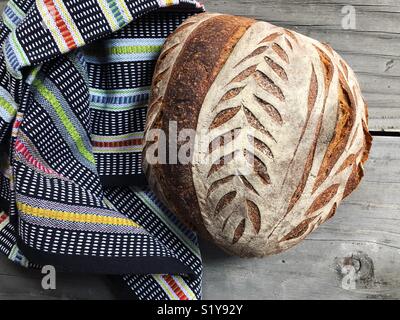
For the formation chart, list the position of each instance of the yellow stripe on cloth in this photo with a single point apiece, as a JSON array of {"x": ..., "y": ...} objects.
[
  {"x": 185, "y": 288},
  {"x": 73, "y": 216},
  {"x": 170, "y": 293},
  {"x": 125, "y": 10},
  {"x": 113, "y": 23},
  {"x": 167, "y": 3}
]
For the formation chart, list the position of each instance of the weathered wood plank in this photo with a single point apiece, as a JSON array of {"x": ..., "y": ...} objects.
[
  {"x": 367, "y": 222},
  {"x": 2, "y": 5},
  {"x": 372, "y": 49},
  {"x": 19, "y": 283}
]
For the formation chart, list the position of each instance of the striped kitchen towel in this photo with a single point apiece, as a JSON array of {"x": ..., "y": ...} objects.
[{"x": 75, "y": 77}]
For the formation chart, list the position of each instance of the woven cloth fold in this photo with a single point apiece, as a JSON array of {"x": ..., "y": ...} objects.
[{"x": 75, "y": 78}]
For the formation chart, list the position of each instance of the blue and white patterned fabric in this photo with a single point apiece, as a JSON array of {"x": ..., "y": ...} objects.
[{"x": 75, "y": 78}]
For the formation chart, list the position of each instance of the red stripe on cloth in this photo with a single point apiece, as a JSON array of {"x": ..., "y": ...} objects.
[
  {"x": 20, "y": 148},
  {"x": 3, "y": 217},
  {"x": 174, "y": 286},
  {"x": 16, "y": 124},
  {"x": 61, "y": 25},
  {"x": 117, "y": 144}
]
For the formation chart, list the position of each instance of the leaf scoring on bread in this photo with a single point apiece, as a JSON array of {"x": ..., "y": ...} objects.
[{"x": 257, "y": 149}]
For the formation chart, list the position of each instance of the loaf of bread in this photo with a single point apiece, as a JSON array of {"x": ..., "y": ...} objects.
[{"x": 280, "y": 132}]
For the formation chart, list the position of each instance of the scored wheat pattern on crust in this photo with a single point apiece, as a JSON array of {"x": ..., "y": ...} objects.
[
  {"x": 283, "y": 127},
  {"x": 281, "y": 138}
]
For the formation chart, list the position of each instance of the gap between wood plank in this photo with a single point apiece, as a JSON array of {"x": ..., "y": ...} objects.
[{"x": 385, "y": 133}]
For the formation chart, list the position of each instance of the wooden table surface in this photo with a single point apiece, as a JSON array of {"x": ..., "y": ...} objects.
[{"x": 364, "y": 234}]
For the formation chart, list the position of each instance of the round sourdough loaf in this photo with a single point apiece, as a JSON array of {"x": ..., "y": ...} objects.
[{"x": 281, "y": 132}]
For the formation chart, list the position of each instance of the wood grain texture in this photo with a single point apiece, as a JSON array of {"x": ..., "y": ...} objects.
[
  {"x": 366, "y": 226},
  {"x": 367, "y": 222},
  {"x": 367, "y": 230},
  {"x": 372, "y": 49},
  {"x": 22, "y": 284},
  {"x": 313, "y": 268}
]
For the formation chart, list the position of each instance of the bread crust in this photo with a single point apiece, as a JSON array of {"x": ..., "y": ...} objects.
[
  {"x": 296, "y": 100},
  {"x": 208, "y": 41}
]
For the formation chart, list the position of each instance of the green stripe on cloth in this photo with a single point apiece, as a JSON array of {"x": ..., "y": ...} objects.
[
  {"x": 16, "y": 9},
  {"x": 124, "y": 50},
  {"x": 134, "y": 49},
  {"x": 119, "y": 91},
  {"x": 8, "y": 107},
  {"x": 46, "y": 93}
]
